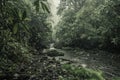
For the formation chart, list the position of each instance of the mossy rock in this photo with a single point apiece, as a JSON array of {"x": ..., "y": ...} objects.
[{"x": 54, "y": 53}]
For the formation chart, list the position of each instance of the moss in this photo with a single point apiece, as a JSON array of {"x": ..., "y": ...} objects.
[{"x": 77, "y": 73}]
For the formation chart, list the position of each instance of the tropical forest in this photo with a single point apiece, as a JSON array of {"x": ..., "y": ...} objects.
[{"x": 59, "y": 39}]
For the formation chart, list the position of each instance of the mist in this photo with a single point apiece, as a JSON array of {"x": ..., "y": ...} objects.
[{"x": 54, "y": 18}]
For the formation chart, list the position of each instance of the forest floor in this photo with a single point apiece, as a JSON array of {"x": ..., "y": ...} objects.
[{"x": 94, "y": 59}]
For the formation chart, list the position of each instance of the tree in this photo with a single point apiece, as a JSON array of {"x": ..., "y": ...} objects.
[
  {"x": 89, "y": 24},
  {"x": 17, "y": 29}
]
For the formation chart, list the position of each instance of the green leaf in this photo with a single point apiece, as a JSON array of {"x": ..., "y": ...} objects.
[
  {"x": 44, "y": 7},
  {"x": 24, "y": 15},
  {"x": 25, "y": 27},
  {"x": 36, "y": 4},
  {"x": 20, "y": 15},
  {"x": 27, "y": 19},
  {"x": 15, "y": 28}
]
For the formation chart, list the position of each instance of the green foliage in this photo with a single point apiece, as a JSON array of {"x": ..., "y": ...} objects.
[
  {"x": 20, "y": 37},
  {"x": 41, "y": 4},
  {"x": 24, "y": 32},
  {"x": 89, "y": 24},
  {"x": 76, "y": 73}
]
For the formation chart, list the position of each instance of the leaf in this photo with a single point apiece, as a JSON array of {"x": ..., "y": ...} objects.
[
  {"x": 36, "y": 4},
  {"x": 44, "y": 7},
  {"x": 25, "y": 27},
  {"x": 20, "y": 15},
  {"x": 27, "y": 19},
  {"x": 24, "y": 15},
  {"x": 15, "y": 28}
]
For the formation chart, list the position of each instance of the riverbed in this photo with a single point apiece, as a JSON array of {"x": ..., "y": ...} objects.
[{"x": 108, "y": 63}]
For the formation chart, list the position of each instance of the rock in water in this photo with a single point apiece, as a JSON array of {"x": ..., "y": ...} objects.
[{"x": 54, "y": 53}]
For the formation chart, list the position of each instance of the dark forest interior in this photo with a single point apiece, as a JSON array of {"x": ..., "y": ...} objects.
[{"x": 59, "y": 39}]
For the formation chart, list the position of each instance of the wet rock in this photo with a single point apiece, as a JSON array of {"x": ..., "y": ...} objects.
[{"x": 54, "y": 53}]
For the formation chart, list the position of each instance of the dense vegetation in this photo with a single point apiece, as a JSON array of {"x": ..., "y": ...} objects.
[
  {"x": 25, "y": 35},
  {"x": 89, "y": 24},
  {"x": 22, "y": 23}
]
